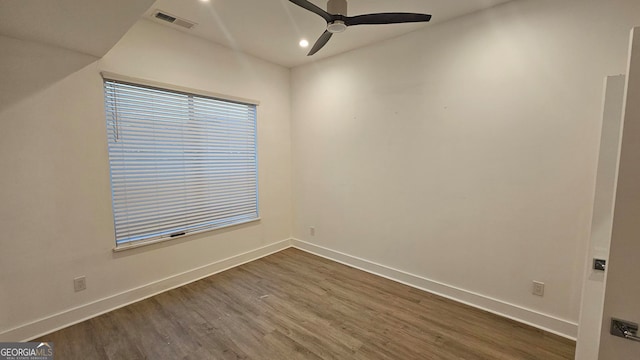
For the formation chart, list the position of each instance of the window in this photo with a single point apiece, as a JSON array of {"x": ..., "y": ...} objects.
[{"x": 180, "y": 162}]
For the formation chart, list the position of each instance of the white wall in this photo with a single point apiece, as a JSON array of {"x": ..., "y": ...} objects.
[
  {"x": 55, "y": 211},
  {"x": 465, "y": 153}
]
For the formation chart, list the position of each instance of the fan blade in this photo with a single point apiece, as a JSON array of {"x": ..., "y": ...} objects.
[
  {"x": 386, "y": 18},
  {"x": 313, "y": 8},
  {"x": 322, "y": 41}
]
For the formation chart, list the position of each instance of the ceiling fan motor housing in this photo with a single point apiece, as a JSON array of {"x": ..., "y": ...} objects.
[{"x": 337, "y": 7}]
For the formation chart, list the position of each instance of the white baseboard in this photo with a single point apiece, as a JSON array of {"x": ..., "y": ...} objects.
[
  {"x": 78, "y": 314},
  {"x": 561, "y": 327}
]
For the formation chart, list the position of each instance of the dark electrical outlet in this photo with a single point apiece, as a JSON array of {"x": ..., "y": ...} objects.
[{"x": 599, "y": 264}]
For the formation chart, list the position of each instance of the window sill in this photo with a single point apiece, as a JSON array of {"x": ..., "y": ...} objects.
[{"x": 141, "y": 243}]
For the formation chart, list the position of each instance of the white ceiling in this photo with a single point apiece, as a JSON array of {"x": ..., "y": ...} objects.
[{"x": 271, "y": 29}]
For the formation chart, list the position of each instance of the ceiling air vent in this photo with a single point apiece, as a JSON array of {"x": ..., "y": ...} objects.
[{"x": 162, "y": 15}]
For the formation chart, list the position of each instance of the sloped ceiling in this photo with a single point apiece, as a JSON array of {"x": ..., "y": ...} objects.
[{"x": 87, "y": 26}]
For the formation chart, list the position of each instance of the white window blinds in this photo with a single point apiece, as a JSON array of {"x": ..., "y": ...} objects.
[{"x": 180, "y": 162}]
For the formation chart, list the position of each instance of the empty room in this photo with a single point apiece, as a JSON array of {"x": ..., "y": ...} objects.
[{"x": 312, "y": 179}]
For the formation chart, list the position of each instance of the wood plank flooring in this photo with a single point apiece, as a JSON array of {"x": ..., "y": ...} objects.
[{"x": 293, "y": 305}]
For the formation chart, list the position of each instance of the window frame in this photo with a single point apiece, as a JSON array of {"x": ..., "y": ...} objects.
[{"x": 111, "y": 77}]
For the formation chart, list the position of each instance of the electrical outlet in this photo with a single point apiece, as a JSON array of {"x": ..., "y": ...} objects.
[
  {"x": 538, "y": 288},
  {"x": 79, "y": 283},
  {"x": 312, "y": 231}
]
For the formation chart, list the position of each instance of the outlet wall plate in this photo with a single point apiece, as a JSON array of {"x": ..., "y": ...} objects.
[
  {"x": 538, "y": 288},
  {"x": 80, "y": 283}
]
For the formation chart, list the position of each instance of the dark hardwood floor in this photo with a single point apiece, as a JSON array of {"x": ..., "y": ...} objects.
[{"x": 293, "y": 305}]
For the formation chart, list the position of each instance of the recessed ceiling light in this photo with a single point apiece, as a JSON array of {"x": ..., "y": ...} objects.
[
  {"x": 205, "y": 1},
  {"x": 304, "y": 43}
]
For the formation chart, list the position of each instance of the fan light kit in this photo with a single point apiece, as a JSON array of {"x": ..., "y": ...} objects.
[
  {"x": 337, "y": 26},
  {"x": 338, "y": 21}
]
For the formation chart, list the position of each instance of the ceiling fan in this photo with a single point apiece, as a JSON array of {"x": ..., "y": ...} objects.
[{"x": 338, "y": 21}]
